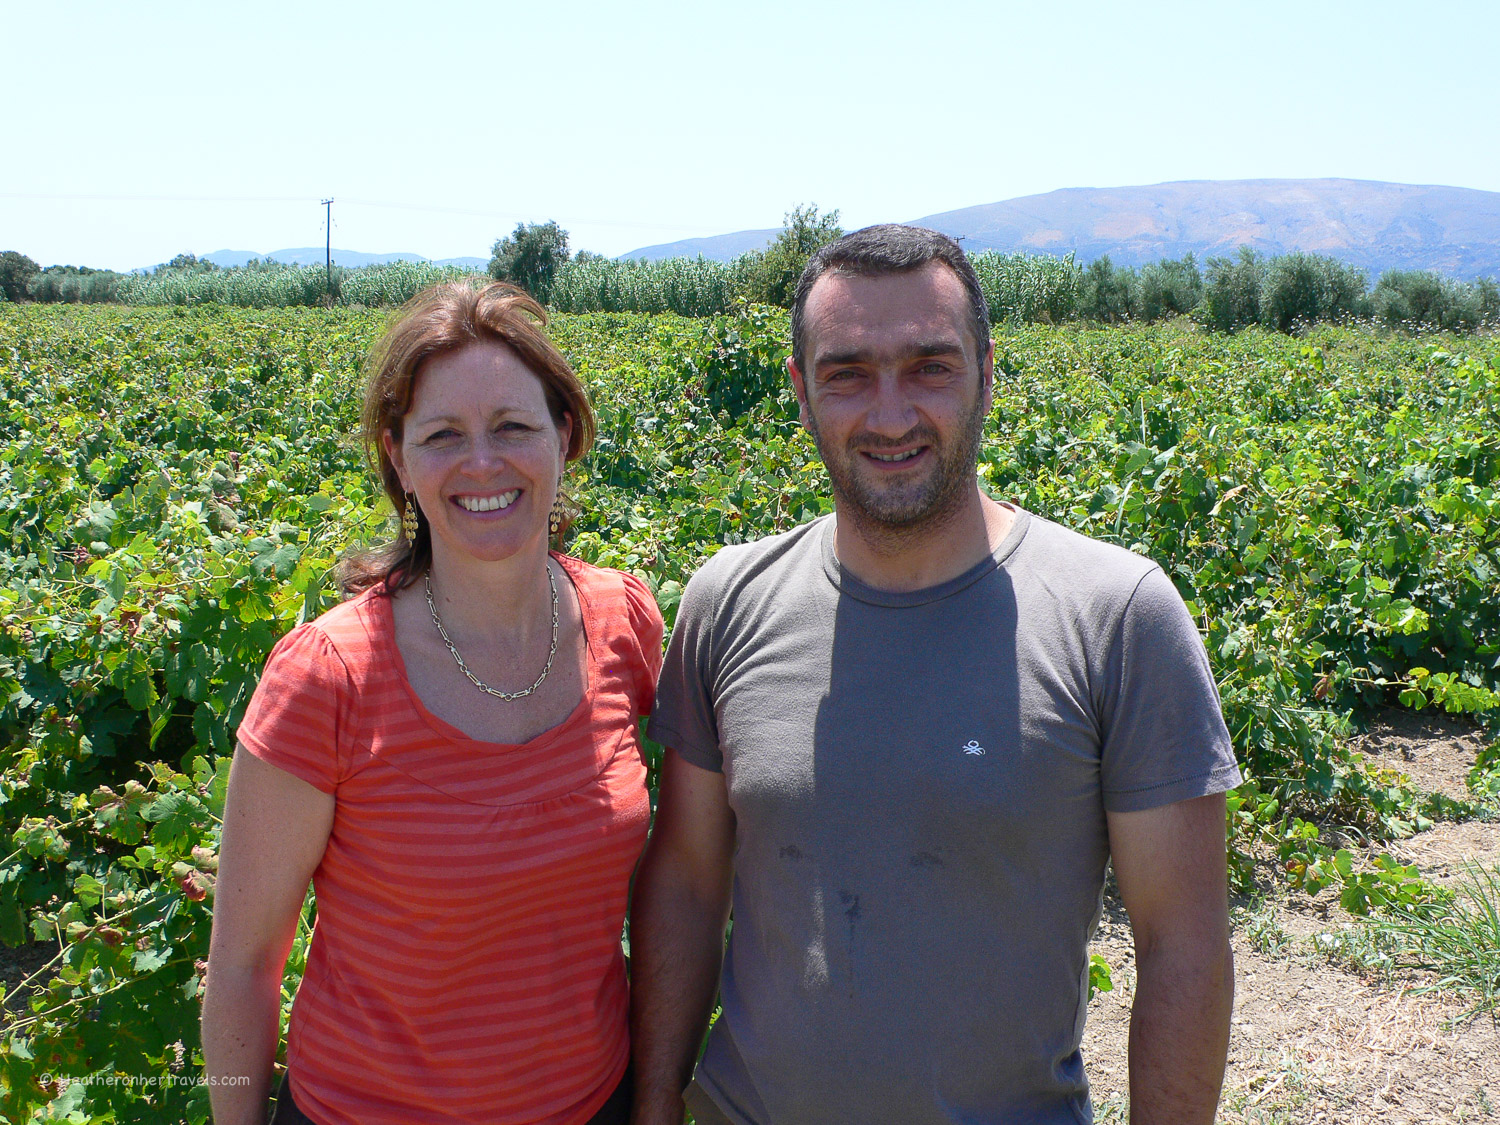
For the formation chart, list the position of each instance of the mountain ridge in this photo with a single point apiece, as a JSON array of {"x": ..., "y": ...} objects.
[{"x": 1369, "y": 223}]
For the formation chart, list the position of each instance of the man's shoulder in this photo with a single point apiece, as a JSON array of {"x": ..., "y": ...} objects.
[
  {"x": 762, "y": 561},
  {"x": 1076, "y": 566}
]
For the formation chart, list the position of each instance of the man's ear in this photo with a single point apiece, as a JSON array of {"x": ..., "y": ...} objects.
[
  {"x": 987, "y": 376},
  {"x": 800, "y": 387}
]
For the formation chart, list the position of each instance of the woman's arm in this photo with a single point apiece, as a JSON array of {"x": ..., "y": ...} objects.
[{"x": 275, "y": 829}]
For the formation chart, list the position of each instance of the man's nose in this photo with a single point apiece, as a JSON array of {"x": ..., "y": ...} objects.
[{"x": 891, "y": 412}]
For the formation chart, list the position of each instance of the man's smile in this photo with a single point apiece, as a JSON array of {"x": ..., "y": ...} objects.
[{"x": 895, "y": 458}]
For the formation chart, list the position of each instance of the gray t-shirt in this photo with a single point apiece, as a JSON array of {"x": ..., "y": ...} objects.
[{"x": 919, "y": 782}]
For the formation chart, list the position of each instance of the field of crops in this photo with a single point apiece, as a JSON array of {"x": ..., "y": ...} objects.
[{"x": 176, "y": 485}]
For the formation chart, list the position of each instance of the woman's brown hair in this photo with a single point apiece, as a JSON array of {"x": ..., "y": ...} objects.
[{"x": 440, "y": 319}]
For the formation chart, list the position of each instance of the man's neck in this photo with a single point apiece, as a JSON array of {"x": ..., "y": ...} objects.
[{"x": 927, "y": 555}]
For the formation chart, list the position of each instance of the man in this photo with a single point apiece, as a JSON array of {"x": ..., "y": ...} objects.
[{"x": 907, "y": 738}]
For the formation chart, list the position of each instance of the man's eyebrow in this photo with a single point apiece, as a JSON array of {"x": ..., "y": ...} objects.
[
  {"x": 924, "y": 349},
  {"x": 838, "y": 359},
  {"x": 939, "y": 347}
]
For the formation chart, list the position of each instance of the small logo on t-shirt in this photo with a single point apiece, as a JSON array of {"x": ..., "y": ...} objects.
[{"x": 972, "y": 747}]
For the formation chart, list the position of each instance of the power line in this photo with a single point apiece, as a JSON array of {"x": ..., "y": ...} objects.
[
  {"x": 104, "y": 198},
  {"x": 386, "y": 204}
]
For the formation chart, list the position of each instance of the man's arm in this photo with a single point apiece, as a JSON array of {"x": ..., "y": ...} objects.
[
  {"x": 677, "y": 919},
  {"x": 1170, "y": 865}
]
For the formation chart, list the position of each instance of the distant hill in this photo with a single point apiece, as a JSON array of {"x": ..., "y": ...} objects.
[
  {"x": 1380, "y": 226},
  {"x": 720, "y": 247},
  {"x": 315, "y": 256}
]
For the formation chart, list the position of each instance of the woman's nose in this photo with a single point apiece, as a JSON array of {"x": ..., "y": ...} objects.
[{"x": 486, "y": 452}]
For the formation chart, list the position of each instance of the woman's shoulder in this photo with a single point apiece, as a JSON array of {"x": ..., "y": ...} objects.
[
  {"x": 614, "y": 595},
  {"x": 357, "y": 631},
  {"x": 604, "y": 581}
]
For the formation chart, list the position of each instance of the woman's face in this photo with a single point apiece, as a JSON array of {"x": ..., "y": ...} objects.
[{"x": 481, "y": 452}]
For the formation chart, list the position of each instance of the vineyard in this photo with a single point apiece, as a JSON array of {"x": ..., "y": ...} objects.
[{"x": 177, "y": 483}]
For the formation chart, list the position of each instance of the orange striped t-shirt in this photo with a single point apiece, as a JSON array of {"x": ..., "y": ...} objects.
[{"x": 466, "y": 964}]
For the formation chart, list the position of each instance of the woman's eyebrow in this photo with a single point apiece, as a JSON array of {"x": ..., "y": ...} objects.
[{"x": 501, "y": 412}]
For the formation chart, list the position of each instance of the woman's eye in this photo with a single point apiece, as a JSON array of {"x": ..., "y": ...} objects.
[{"x": 439, "y": 435}]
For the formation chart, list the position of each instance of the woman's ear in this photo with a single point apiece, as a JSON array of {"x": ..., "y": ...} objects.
[
  {"x": 393, "y": 454},
  {"x": 564, "y": 437}
]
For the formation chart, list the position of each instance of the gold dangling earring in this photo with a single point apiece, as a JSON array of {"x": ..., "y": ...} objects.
[
  {"x": 409, "y": 526},
  {"x": 555, "y": 517}
]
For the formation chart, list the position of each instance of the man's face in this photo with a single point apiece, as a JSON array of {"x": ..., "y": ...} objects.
[{"x": 894, "y": 394}]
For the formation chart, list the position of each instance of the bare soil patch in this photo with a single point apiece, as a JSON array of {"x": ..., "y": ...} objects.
[
  {"x": 1312, "y": 1039},
  {"x": 15, "y": 966},
  {"x": 1442, "y": 852},
  {"x": 1435, "y": 750}
]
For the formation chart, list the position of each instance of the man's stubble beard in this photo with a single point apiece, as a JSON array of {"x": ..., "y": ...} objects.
[{"x": 891, "y": 518}]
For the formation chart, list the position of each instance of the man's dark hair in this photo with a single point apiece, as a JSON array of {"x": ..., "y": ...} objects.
[{"x": 886, "y": 249}]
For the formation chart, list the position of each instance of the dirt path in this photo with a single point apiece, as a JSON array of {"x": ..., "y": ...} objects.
[{"x": 1312, "y": 1039}]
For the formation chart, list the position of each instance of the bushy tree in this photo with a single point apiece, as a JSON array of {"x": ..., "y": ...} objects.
[
  {"x": 16, "y": 272},
  {"x": 530, "y": 257},
  {"x": 772, "y": 274},
  {"x": 1303, "y": 289},
  {"x": 1107, "y": 291},
  {"x": 1231, "y": 299},
  {"x": 1168, "y": 288},
  {"x": 1487, "y": 292},
  {"x": 1421, "y": 301},
  {"x": 190, "y": 262}
]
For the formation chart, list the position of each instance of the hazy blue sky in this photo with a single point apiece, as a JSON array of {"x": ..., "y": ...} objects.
[{"x": 135, "y": 131}]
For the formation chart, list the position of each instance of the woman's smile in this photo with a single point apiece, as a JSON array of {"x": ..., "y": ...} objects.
[{"x": 497, "y": 502}]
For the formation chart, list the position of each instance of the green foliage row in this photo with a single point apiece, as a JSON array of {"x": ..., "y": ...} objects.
[
  {"x": 685, "y": 286},
  {"x": 272, "y": 285},
  {"x": 696, "y": 287},
  {"x": 1294, "y": 291},
  {"x": 1028, "y": 288},
  {"x": 1327, "y": 505},
  {"x": 1288, "y": 293},
  {"x": 1155, "y": 292},
  {"x": 77, "y": 285}
]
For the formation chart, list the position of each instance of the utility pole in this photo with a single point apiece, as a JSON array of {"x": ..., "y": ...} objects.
[{"x": 328, "y": 245}]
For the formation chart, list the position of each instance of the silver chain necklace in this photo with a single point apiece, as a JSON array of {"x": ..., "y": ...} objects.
[{"x": 508, "y": 696}]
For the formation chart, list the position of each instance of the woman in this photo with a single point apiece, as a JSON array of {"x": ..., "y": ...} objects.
[{"x": 452, "y": 758}]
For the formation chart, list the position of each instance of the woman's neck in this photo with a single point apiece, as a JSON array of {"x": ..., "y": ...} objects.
[{"x": 484, "y": 602}]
